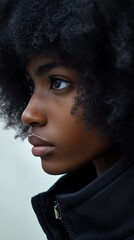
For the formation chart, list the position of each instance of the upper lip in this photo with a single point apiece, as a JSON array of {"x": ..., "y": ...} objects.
[{"x": 36, "y": 140}]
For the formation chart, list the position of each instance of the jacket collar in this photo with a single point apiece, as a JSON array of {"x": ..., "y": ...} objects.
[{"x": 101, "y": 208}]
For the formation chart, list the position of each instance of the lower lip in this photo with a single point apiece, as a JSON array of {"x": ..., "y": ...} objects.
[{"x": 40, "y": 151}]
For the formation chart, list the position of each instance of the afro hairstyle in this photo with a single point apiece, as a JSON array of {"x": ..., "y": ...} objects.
[{"x": 96, "y": 36}]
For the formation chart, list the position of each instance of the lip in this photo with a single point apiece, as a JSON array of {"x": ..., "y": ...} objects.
[{"x": 41, "y": 147}]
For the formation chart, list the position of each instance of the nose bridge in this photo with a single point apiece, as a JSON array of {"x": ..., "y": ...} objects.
[{"x": 33, "y": 112}]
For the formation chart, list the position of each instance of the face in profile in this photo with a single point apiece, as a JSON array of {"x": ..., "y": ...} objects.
[{"x": 61, "y": 142}]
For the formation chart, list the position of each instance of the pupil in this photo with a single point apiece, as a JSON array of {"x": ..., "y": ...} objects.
[{"x": 57, "y": 84}]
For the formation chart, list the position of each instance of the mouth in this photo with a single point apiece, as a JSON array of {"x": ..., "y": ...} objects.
[{"x": 41, "y": 147}]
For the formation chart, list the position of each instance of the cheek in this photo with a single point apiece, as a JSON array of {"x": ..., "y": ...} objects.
[
  {"x": 77, "y": 143},
  {"x": 86, "y": 146},
  {"x": 71, "y": 138}
]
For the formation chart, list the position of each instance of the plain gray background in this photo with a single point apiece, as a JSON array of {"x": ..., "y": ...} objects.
[{"x": 21, "y": 177}]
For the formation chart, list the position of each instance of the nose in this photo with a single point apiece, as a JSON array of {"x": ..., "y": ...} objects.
[{"x": 34, "y": 113}]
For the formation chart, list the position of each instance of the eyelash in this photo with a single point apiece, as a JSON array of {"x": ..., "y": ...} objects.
[
  {"x": 53, "y": 80},
  {"x": 56, "y": 80}
]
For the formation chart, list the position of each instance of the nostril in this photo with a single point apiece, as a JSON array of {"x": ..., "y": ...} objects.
[{"x": 34, "y": 124}]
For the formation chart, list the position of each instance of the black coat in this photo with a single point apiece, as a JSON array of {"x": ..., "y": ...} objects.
[{"x": 82, "y": 207}]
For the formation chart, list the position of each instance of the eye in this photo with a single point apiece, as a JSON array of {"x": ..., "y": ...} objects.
[{"x": 59, "y": 84}]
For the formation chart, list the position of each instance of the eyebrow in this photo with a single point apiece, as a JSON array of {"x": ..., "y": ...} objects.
[{"x": 43, "y": 69}]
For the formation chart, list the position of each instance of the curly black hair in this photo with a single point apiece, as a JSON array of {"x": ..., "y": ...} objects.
[{"x": 96, "y": 36}]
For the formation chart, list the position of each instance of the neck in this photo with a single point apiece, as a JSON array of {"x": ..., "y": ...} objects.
[{"x": 106, "y": 161}]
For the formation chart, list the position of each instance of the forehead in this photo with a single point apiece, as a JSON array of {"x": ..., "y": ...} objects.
[
  {"x": 43, "y": 63},
  {"x": 40, "y": 59}
]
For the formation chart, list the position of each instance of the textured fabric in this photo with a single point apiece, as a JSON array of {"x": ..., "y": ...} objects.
[{"x": 90, "y": 208}]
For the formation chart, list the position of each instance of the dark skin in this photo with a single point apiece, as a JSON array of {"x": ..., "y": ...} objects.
[{"x": 49, "y": 115}]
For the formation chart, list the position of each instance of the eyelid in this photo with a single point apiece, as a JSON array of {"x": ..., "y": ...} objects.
[{"x": 60, "y": 77}]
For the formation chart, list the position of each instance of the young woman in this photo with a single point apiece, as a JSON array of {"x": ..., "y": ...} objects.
[{"x": 66, "y": 70}]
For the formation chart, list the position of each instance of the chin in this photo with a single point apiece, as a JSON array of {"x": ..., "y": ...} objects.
[{"x": 51, "y": 169}]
